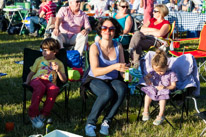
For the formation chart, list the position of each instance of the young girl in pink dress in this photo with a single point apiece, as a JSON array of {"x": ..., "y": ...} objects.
[{"x": 159, "y": 82}]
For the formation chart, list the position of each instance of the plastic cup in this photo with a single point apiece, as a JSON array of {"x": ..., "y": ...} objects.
[{"x": 9, "y": 126}]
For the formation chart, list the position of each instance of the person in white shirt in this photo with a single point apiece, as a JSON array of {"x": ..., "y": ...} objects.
[
  {"x": 138, "y": 6},
  {"x": 100, "y": 6},
  {"x": 172, "y": 6},
  {"x": 138, "y": 9}
]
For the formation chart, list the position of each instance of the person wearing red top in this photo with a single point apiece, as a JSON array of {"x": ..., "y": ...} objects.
[
  {"x": 48, "y": 10},
  {"x": 145, "y": 38}
]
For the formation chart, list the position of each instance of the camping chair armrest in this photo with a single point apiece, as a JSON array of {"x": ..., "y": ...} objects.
[
  {"x": 187, "y": 39},
  {"x": 27, "y": 86}
]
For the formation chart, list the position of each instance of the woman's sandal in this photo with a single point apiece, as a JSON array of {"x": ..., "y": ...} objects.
[
  {"x": 145, "y": 116},
  {"x": 157, "y": 121}
]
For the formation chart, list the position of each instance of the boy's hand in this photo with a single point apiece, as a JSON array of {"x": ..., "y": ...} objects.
[
  {"x": 55, "y": 66},
  {"x": 27, "y": 83}
]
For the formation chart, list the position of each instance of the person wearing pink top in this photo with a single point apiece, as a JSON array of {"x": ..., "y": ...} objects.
[{"x": 68, "y": 25}]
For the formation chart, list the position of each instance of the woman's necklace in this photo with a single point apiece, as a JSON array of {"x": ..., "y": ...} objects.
[{"x": 106, "y": 50}]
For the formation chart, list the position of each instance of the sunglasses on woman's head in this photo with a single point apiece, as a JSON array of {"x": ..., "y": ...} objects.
[
  {"x": 111, "y": 29},
  {"x": 124, "y": 7},
  {"x": 155, "y": 11}
]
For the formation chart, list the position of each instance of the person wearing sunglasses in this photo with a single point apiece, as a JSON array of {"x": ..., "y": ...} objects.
[
  {"x": 106, "y": 65},
  {"x": 125, "y": 20},
  {"x": 69, "y": 22},
  {"x": 145, "y": 38}
]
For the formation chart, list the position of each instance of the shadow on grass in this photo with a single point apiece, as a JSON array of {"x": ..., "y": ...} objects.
[{"x": 17, "y": 47}]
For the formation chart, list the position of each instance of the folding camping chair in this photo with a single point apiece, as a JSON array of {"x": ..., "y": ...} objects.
[
  {"x": 199, "y": 53},
  {"x": 188, "y": 79},
  {"x": 29, "y": 58}
]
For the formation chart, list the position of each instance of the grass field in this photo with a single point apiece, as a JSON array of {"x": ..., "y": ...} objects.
[{"x": 11, "y": 95}]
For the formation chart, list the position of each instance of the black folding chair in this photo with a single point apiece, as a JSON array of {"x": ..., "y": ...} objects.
[{"x": 29, "y": 59}]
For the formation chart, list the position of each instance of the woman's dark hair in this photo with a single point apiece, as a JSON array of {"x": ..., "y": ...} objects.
[
  {"x": 118, "y": 28},
  {"x": 51, "y": 44}
]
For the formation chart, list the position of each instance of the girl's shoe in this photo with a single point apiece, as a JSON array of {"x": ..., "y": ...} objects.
[
  {"x": 158, "y": 120},
  {"x": 145, "y": 116}
]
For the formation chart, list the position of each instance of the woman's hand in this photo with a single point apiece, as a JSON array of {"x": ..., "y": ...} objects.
[
  {"x": 56, "y": 32},
  {"x": 121, "y": 67}
]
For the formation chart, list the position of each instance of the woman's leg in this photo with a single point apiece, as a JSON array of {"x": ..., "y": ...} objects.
[
  {"x": 120, "y": 90},
  {"x": 138, "y": 43},
  {"x": 104, "y": 94}
]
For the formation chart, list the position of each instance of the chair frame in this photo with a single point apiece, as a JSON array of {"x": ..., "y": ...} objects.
[{"x": 65, "y": 86}]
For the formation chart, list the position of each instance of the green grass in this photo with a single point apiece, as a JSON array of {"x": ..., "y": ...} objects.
[{"x": 11, "y": 94}]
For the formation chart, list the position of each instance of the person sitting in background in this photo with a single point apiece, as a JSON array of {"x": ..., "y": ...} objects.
[
  {"x": 138, "y": 9},
  {"x": 42, "y": 78},
  {"x": 172, "y": 6},
  {"x": 100, "y": 6},
  {"x": 2, "y": 4},
  {"x": 125, "y": 20},
  {"x": 145, "y": 38},
  {"x": 106, "y": 61},
  {"x": 69, "y": 22},
  {"x": 184, "y": 5},
  {"x": 48, "y": 10}
]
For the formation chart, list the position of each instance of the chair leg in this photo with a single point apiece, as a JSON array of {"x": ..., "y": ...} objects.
[
  {"x": 169, "y": 123},
  {"x": 140, "y": 107},
  {"x": 203, "y": 132},
  {"x": 24, "y": 105},
  {"x": 66, "y": 101},
  {"x": 127, "y": 104}
]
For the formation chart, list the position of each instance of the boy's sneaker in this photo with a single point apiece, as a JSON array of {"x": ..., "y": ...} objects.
[
  {"x": 41, "y": 119},
  {"x": 35, "y": 34},
  {"x": 36, "y": 122},
  {"x": 89, "y": 129},
  {"x": 104, "y": 128}
]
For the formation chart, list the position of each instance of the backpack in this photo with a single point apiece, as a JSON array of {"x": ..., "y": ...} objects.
[{"x": 74, "y": 59}]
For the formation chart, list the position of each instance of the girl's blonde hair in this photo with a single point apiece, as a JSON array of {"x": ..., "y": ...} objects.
[
  {"x": 160, "y": 59},
  {"x": 162, "y": 9}
]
